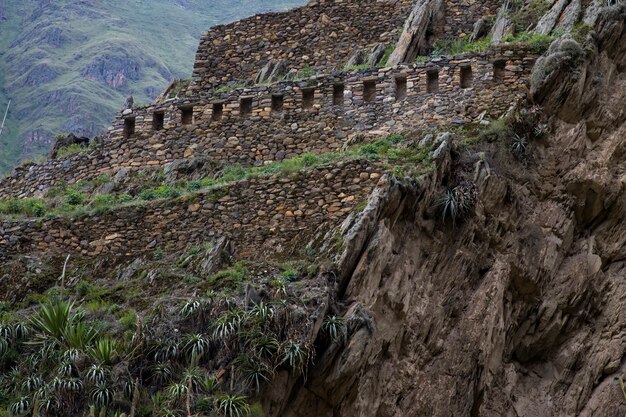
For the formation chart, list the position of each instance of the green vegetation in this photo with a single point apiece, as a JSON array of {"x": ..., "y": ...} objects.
[
  {"x": 304, "y": 73},
  {"x": 538, "y": 43},
  {"x": 388, "y": 51},
  {"x": 230, "y": 278},
  {"x": 71, "y": 200},
  {"x": 444, "y": 47}
]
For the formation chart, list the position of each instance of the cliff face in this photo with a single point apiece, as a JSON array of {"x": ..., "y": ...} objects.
[{"x": 519, "y": 310}]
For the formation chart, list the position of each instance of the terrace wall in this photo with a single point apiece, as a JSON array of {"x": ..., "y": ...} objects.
[
  {"x": 321, "y": 35},
  {"x": 264, "y": 214}
]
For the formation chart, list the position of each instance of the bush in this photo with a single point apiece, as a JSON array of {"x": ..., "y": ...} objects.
[
  {"x": 23, "y": 206},
  {"x": 74, "y": 197}
]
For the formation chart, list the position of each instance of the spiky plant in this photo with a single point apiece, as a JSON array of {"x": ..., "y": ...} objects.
[
  {"x": 334, "y": 329},
  {"x": 232, "y": 406},
  {"x": 161, "y": 373},
  {"x": 177, "y": 392},
  {"x": 79, "y": 335},
  {"x": 71, "y": 355},
  {"x": 197, "y": 345},
  {"x": 21, "y": 406},
  {"x": 6, "y": 331},
  {"x": 261, "y": 312},
  {"x": 519, "y": 144},
  {"x": 166, "y": 350},
  {"x": 457, "y": 202},
  {"x": 65, "y": 369},
  {"x": 104, "y": 351},
  {"x": 227, "y": 325},
  {"x": 20, "y": 331},
  {"x": 190, "y": 308},
  {"x": 53, "y": 319},
  {"x": 294, "y": 355},
  {"x": 101, "y": 395},
  {"x": 96, "y": 374},
  {"x": 253, "y": 371},
  {"x": 4, "y": 346},
  {"x": 264, "y": 345},
  {"x": 33, "y": 383}
]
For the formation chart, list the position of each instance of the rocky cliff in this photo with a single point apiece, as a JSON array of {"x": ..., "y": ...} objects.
[{"x": 519, "y": 311}]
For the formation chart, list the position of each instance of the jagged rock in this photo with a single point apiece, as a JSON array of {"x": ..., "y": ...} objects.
[
  {"x": 549, "y": 21},
  {"x": 129, "y": 103},
  {"x": 481, "y": 28},
  {"x": 592, "y": 12},
  {"x": 265, "y": 72},
  {"x": 503, "y": 25},
  {"x": 570, "y": 16},
  {"x": 280, "y": 70},
  {"x": 357, "y": 58},
  {"x": 413, "y": 37},
  {"x": 376, "y": 55},
  {"x": 65, "y": 141}
]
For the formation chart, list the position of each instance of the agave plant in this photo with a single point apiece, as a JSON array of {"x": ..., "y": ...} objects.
[
  {"x": 33, "y": 383},
  {"x": 161, "y": 373},
  {"x": 20, "y": 331},
  {"x": 65, "y": 369},
  {"x": 264, "y": 345},
  {"x": 193, "y": 377},
  {"x": 6, "y": 331},
  {"x": 294, "y": 355},
  {"x": 71, "y": 385},
  {"x": 71, "y": 355},
  {"x": 53, "y": 319},
  {"x": 334, "y": 328},
  {"x": 4, "y": 346},
  {"x": 21, "y": 406},
  {"x": 253, "y": 371},
  {"x": 261, "y": 311},
  {"x": 96, "y": 374},
  {"x": 197, "y": 345},
  {"x": 519, "y": 144},
  {"x": 227, "y": 325},
  {"x": 457, "y": 202},
  {"x": 232, "y": 406},
  {"x": 101, "y": 395},
  {"x": 176, "y": 392},
  {"x": 104, "y": 351},
  {"x": 79, "y": 335},
  {"x": 166, "y": 350}
]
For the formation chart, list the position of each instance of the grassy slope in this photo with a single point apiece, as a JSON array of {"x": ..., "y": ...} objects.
[{"x": 159, "y": 36}]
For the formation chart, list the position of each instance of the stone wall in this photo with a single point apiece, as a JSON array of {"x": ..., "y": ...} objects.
[
  {"x": 459, "y": 16},
  {"x": 322, "y": 35},
  {"x": 260, "y": 215},
  {"x": 468, "y": 87}
]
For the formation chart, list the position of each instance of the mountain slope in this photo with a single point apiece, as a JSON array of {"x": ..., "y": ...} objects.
[{"x": 68, "y": 65}]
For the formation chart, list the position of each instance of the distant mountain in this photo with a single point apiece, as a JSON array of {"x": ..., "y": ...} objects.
[{"x": 68, "y": 65}]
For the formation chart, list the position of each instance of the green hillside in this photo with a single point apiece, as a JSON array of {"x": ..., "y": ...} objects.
[{"x": 68, "y": 65}]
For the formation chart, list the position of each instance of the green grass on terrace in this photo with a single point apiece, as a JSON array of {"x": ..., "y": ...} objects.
[{"x": 70, "y": 200}]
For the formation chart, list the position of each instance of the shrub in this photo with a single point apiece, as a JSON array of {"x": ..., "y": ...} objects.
[
  {"x": 23, "y": 206},
  {"x": 74, "y": 197}
]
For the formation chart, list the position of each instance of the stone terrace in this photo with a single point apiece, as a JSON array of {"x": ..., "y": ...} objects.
[
  {"x": 268, "y": 214},
  {"x": 267, "y": 123},
  {"x": 321, "y": 35}
]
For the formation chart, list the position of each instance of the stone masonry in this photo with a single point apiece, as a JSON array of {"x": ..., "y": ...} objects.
[{"x": 250, "y": 126}]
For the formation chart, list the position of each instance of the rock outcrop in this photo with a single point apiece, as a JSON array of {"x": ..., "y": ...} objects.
[{"x": 519, "y": 311}]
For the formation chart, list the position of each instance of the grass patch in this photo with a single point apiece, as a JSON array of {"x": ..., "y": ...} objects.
[
  {"x": 230, "y": 278},
  {"x": 536, "y": 42}
]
